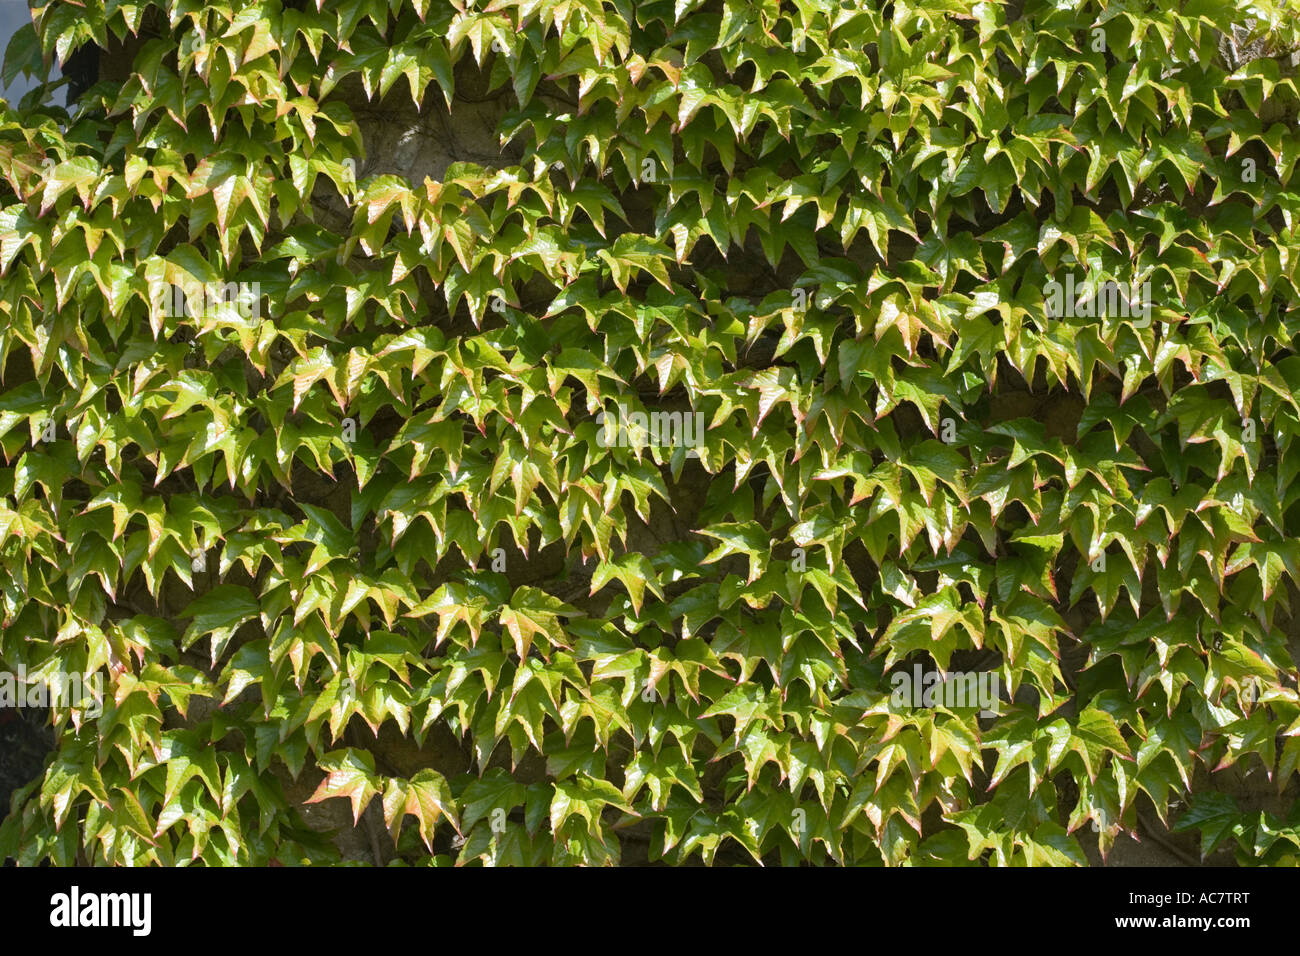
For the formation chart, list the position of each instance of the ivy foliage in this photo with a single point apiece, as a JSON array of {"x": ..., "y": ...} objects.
[{"x": 369, "y": 539}]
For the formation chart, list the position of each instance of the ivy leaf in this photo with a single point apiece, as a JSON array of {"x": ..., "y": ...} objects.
[
  {"x": 349, "y": 773},
  {"x": 532, "y": 612},
  {"x": 426, "y": 796},
  {"x": 219, "y": 613}
]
